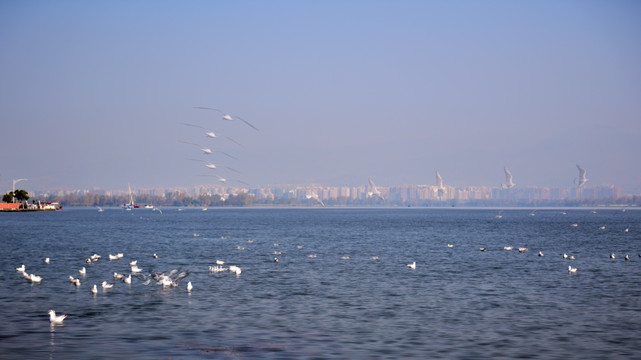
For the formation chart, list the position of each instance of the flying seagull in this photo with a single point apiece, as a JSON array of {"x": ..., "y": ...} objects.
[
  {"x": 214, "y": 166},
  {"x": 374, "y": 191},
  {"x": 224, "y": 180},
  {"x": 227, "y": 116},
  {"x": 508, "y": 180},
  {"x": 582, "y": 179},
  {"x": 212, "y": 134},
  {"x": 208, "y": 151},
  {"x": 439, "y": 184}
]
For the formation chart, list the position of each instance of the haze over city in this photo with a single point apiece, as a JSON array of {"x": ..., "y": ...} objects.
[{"x": 98, "y": 94}]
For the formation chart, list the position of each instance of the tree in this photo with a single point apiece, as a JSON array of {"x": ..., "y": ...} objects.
[
  {"x": 21, "y": 195},
  {"x": 8, "y": 197}
]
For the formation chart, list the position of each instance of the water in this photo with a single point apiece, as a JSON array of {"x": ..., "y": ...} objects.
[{"x": 458, "y": 303}]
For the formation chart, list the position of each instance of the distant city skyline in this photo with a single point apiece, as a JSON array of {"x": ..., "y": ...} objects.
[{"x": 98, "y": 94}]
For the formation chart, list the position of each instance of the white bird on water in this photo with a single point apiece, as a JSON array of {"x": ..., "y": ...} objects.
[
  {"x": 189, "y": 287},
  {"x": 47, "y": 260},
  {"x": 572, "y": 270},
  {"x": 22, "y": 268},
  {"x": 235, "y": 269},
  {"x": 83, "y": 271},
  {"x": 127, "y": 280},
  {"x": 508, "y": 179},
  {"x": 94, "y": 289},
  {"x": 105, "y": 285},
  {"x": 612, "y": 256},
  {"x": 227, "y": 116},
  {"x": 412, "y": 265},
  {"x": 56, "y": 319}
]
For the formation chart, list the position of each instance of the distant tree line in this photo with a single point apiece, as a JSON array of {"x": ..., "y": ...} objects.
[{"x": 181, "y": 199}]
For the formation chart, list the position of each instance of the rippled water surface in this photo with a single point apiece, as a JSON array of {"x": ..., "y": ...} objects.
[{"x": 341, "y": 287}]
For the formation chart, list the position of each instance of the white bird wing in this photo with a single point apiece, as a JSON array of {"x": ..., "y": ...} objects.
[
  {"x": 246, "y": 122},
  {"x": 439, "y": 180}
]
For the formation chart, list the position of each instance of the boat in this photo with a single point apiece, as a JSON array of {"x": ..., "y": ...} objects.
[{"x": 131, "y": 204}]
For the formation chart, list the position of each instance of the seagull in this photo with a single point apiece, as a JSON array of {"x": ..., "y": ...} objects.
[
  {"x": 314, "y": 196},
  {"x": 224, "y": 180},
  {"x": 127, "y": 280},
  {"x": 439, "y": 185},
  {"x": 107, "y": 286},
  {"x": 483, "y": 249},
  {"x": 626, "y": 230},
  {"x": 56, "y": 319},
  {"x": 170, "y": 279},
  {"x": 118, "y": 276},
  {"x": 450, "y": 245},
  {"x": 220, "y": 262},
  {"x": 572, "y": 270},
  {"x": 94, "y": 289},
  {"x": 499, "y": 215},
  {"x": 217, "y": 269},
  {"x": 208, "y": 151},
  {"x": 135, "y": 269},
  {"x": 82, "y": 271},
  {"x": 133, "y": 262},
  {"x": 155, "y": 256},
  {"x": 214, "y": 166},
  {"x": 100, "y": 209},
  {"x": 113, "y": 257},
  {"x": 74, "y": 280},
  {"x": 508, "y": 248},
  {"x": 540, "y": 253},
  {"x": 276, "y": 260},
  {"x": 22, "y": 268},
  {"x": 189, "y": 287},
  {"x": 508, "y": 180},
  {"x": 32, "y": 277},
  {"x": 602, "y": 227},
  {"x": 157, "y": 209},
  {"x": 412, "y": 265},
  {"x": 612, "y": 256},
  {"x": 565, "y": 256},
  {"x": 235, "y": 269},
  {"x": 582, "y": 179},
  {"x": 522, "y": 249},
  {"x": 571, "y": 257},
  {"x": 46, "y": 260},
  {"x": 627, "y": 257},
  {"x": 213, "y": 135},
  {"x": 373, "y": 191},
  {"x": 575, "y": 225},
  {"x": 227, "y": 116}
]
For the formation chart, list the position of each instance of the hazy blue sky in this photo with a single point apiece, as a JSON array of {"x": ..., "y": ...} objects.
[{"x": 93, "y": 94}]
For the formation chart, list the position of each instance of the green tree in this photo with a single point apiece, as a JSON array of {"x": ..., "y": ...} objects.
[
  {"x": 8, "y": 197},
  {"x": 21, "y": 195}
]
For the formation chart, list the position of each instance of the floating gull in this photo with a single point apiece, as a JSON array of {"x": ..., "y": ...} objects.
[
  {"x": 483, "y": 249},
  {"x": 627, "y": 257},
  {"x": 22, "y": 268},
  {"x": 56, "y": 319},
  {"x": 127, "y": 280},
  {"x": 227, "y": 116},
  {"x": 135, "y": 269},
  {"x": 105, "y": 285},
  {"x": 522, "y": 249},
  {"x": 217, "y": 269},
  {"x": 612, "y": 256},
  {"x": 582, "y": 178},
  {"x": 575, "y": 225},
  {"x": 540, "y": 253},
  {"x": 118, "y": 276},
  {"x": 83, "y": 271},
  {"x": 113, "y": 257},
  {"x": 74, "y": 281},
  {"x": 235, "y": 269},
  {"x": 133, "y": 262},
  {"x": 572, "y": 270},
  {"x": 155, "y": 256},
  {"x": 32, "y": 277},
  {"x": 412, "y": 265},
  {"x": 46, "y": 260},
  {"x": 94, "y": 289},
  {"x": 189, "y": 287},
  {"x": 508, "y": 180},
  {"x": 450, "y": 245},
  {"x": 508, "y": 248},
  {"x": 220, "y": 262}
]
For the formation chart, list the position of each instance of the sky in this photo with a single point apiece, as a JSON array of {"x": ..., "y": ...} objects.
[{"x": 96, "y": 94}]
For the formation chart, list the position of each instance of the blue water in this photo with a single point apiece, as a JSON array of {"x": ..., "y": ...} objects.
[{"x": 459, "y": 302}]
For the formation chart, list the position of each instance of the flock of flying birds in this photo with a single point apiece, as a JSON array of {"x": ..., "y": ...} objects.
[
  {"x": 210, "y": 151},
  {"x": 509, "y": 183}
]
